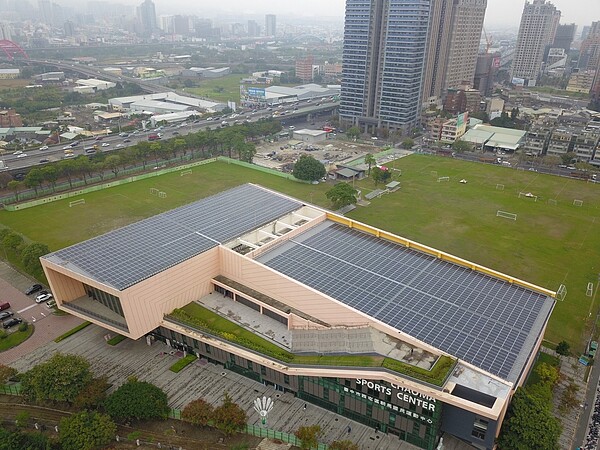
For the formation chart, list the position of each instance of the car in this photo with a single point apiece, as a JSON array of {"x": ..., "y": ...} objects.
[
  {"x": 51, "y": 304},
  {"x": 33, "y": 289},
  {"x": 98, "y": 138},
  {"x": 90, "y": 151},
  {"x": 11, "y": 322},
  {"x": 210, "y": 119},
  {"x": 22, "y": 155},
  {"x": 69, "y": 155},
  {"x": 292, "y": 127},
  {"x": 126, "y": 140},
  {"x": 44, "y": 160},
  {"x": 19, "y": 176},
  {"x": 175, "y": 133},
  {"x": 43, "y": 297},
  {"x": 6, "y": 314},
  {"x": 44, "y": 147},
  {"x": 18, "y": 152},
  {"x": 119, "y": 146},
  {"x": 67, "y": 147},
  {"x": 105, "y": 144}
]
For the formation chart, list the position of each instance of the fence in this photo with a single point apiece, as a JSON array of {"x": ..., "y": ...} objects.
[
  {"x": 10, "y": 389},
  {"x": 257, "y": 431},
  {"x": 99, "y": 187}
]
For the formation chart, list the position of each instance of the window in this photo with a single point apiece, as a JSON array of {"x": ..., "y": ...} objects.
[
  {"x": 479, "y": 428},
  {"x": 286, "y": 379}
]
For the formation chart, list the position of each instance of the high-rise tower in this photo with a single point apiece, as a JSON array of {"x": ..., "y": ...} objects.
[
  {"x": 454, "y": 36},
  {"x": 385, "y": 43},
  {"x": 270, "y": 24},
  {"x": 147, "y": 17},
  {"x": 538, "y": 29}
]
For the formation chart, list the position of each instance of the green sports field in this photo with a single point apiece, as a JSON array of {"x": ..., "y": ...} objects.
[{"x": 550, "y": 243}]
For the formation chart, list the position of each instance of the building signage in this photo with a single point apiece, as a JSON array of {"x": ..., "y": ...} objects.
[
  {"x": 257, "y": 92},
  {"x": 401, "y": 393}
]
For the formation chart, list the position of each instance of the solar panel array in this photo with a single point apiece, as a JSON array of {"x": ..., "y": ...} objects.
[
  {"x": 133, "y": 253},
  {"x": 480, "y": 319}
]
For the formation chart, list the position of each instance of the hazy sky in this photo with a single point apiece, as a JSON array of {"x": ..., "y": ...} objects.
[{"x": 499, "y": 12}]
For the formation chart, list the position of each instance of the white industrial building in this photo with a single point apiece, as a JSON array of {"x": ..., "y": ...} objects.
[
  {"x": 163, "y": 103},
  {"x": 92, "y": 85},
  {"x": 310, "y": 136}
]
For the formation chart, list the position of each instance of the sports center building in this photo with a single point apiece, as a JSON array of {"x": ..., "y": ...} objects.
[{"x": 377, "y": 328}]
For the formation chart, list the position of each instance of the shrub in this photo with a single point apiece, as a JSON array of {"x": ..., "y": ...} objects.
[
  {"x": 137, "y": 400},
  {"x": 23, "y": 326}
]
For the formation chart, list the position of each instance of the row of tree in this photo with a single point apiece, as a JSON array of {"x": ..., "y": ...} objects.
[
  {"x": 530, "y": 422},
  {"x": 67, "y": 379},
  {"x": 27, "y": 254},
  {"x": 236, "y": 141}
]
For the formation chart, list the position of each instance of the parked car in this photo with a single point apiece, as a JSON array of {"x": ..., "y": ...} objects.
[
  {"x": 44, "y": 147},
  {"x": 43, "y": 297},
  {"x": 51, "y": 304},
  {"x": 6, "y": 314},
  {"x": 33, "y": 289},
  {"x": 11, "y": 322},
  {"x": 4, "y": 306}
]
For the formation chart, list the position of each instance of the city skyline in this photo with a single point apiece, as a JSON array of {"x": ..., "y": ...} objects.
[{"x": 499, "y": 12}]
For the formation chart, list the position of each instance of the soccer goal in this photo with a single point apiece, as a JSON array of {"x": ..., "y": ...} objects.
[
  {"x": 552, "y": 201},
  {"x": 506, "y": 215},
  {"x": 81, "y": 201},
  {"x": 590, "y": 289},
  {"x": 186, "y": 172},
  {"x": 499, "y": 187},
  {"x": 528, "y": 195},
  {"x": 440, "y": 179},
  {"x": 577, "y": 202},
  {"x": 153, "y": 191},
  {"x": 162, "y": 194},
  {"x": 561, "y": 293}
]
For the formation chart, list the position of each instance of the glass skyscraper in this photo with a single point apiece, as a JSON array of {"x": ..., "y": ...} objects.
[{"x": 385, "y": 44}]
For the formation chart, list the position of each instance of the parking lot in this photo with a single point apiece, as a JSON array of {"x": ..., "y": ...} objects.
[{"x": 48, "y": 326}]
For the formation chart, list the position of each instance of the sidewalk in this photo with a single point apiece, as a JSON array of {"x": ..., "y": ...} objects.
[{"x": 208, "y": 381}]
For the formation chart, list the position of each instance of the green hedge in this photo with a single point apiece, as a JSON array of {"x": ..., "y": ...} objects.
[
  {"x": 115, "y": 340},
  {"x": 73, "y": 331},
  {"x": 182, "y": 363},
  {"x": 436, "y": 375}
]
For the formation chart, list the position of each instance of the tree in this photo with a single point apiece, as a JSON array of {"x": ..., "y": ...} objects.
[
  {"x": 86, "y": 430},
  {"x": 370, "y": 161},
  {"x": 246, "y": 152},
  {"x": 408, "y": 143},
  {"x": 113, "y": 163},
  {"x": 567, "y": 158},
  {"x": 353, "y": 133},
  {"x": 68, "y": 168},
  {"x": 462, "y": 146},
  {"x": 16, "y": 187},
  {"x": 12, "y": 241},
  {"x": 5, "y": 178},
  {"x": 381, "y": 175},
  {"x": 61, "y": 378},
  {"x": 530, "y": 424},
  {"x": 229, "y": 417},
  {"x": 563, "y": 348},
  {"x": 547, "y": 374},
  {"x": 342, "y": 194},
  {"x": 6, "y": 373},
  {"x": 551, "y": 161},
  {"x": 308, "y": 168},
  {"x": 30, "y": 257},
  {"x": 309, "y": 436},
  {"x": 51, "y": 174},
  {"x": 93, "y": 394},
  {"x": 34, "y": 179},
  {"x": 137, "y": 400},
  {"x": 343, "y": 445},
  {"x": 198, "y": 412}
]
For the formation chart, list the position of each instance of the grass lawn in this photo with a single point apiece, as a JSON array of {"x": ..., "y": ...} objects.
[
  {"x": 15, "y": 338},
  {"x": 547, "y": 245},
  {"x": 220, "y": 89}
]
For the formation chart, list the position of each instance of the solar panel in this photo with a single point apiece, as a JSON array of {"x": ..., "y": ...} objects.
[
  {"x": 138, "y": 251},
  {"x": 483, "y": 320}
]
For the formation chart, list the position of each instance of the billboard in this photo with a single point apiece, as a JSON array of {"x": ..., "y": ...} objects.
[
  {"x": 257, "y": 92},
  {"x": 518, "y": 81}
]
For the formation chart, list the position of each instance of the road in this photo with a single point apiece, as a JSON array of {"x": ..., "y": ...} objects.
[{"x": 35, "y": 157}]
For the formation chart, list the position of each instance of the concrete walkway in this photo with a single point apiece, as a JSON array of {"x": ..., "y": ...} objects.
[{"x": 208, "y": 381}]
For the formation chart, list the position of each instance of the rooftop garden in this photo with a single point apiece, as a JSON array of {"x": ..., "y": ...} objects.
[{"x": 203, "y": 319}]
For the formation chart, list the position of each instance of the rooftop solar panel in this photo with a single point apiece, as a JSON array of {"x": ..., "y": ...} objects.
[
  {"x": 126, "y": 256},
  {"x": 483, "y": 320}
]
